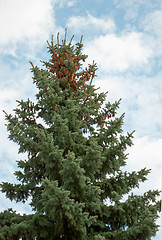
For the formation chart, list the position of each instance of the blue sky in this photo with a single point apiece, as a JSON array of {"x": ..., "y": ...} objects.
[{"x": 122, "y": 36}]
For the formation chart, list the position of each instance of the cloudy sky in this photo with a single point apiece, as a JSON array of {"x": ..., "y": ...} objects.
[{"x": 122, "y": 36}]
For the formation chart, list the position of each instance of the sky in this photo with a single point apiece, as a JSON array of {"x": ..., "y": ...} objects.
[{"x": 123, "y": 37}]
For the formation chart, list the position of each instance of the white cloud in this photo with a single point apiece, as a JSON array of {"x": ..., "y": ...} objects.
[
  {"x": 17, "y": 85},
  {"x": 148, "y": 17},
  {"x": 119, "y": 52},
  {"x": 18, "y": 207},
  {"x": 71, "y": 3},
  {"x": 24, "y": 19},
  {"x": 68, "y": 3},
  {"x": 152, "y": 26},
  {"x": 147, "y": 153},
  {"x": 130, "y": 7},
  {"x": 141, "y": 100},
  {"x": 27, "y": 22},
  {"x": 133, "y": 8},
  {"x": 12, "y": 89},
  {"x": 153, "y": 23},
  {"x": 91, "y": 24}
]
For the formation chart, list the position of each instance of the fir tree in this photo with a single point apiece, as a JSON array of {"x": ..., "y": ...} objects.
[{"x": 73, "y": 173}]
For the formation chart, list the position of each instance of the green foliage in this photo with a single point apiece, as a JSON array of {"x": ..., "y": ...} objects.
[{"x": 73, "y": 171}]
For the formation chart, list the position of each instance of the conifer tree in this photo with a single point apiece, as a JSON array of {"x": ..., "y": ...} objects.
[{"x": 73, "y": 173}]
